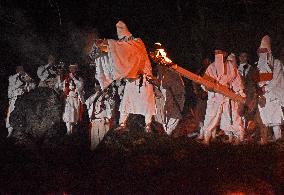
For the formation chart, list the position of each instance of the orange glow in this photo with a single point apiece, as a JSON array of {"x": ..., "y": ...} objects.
[
  {"x": 235, "y": 193},
  {"x": 161, "y": 55},
  {"x": 164, "y": 55}
]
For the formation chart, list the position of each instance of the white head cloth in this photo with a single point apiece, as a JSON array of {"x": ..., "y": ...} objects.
[
  {"x": 266, "y": 43},
  {"x": 219, "y": 63},
  {"x": 122, "y": 30}
]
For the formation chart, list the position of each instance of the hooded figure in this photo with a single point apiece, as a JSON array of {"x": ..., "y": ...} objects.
[
  {"x": 220, "y": 109},
  {"x": 127, "y": 59},
  {"x": 271, "y": 82}
]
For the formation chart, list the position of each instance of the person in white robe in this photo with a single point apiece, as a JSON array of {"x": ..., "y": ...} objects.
[
  {"x": 220, "y": 109},
  {"x": 19, "y": 83},
  {"x": 100, "y": 113},
  {"x": 47, "y": 73},
  {"x": 127, "y": 58},
  {"x": 72, "y": 86},
  {"x": 271, "y": 81}
]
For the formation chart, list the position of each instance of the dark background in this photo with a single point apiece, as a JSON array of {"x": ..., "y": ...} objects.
[
  {"x": 189, "y": 30},
  {"x": 30, "y": 29}
]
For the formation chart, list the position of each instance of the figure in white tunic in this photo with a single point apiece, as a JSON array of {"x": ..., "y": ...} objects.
[
  {"x": 47, "y": 73},
  {"x": 127, "y": 58},
  {"x": 19, "y": 83},
  {"x": 220, "y": 109},
  {"x": 72, "y": 85},
  {"x": 100, "y": 113},
  {"x": 271, "y": 81}
]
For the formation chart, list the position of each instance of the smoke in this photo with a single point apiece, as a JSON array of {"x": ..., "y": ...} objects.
[
  {"x": 75, "y": 44},
  {"x": 29, "y": 45},
  {"x": 19, "y": 34}
]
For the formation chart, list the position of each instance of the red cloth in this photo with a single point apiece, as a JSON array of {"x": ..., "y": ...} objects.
[
  {"x": 81, "y": 111},
  {"x": 67, "y": 82},
  {"x": 265, "y": 77}
]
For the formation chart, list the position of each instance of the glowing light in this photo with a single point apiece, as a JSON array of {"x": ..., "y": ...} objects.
[
  {"x": 161, "y": 53},
  {"x": 235, "y": 193},
  {"x": 158, "y": 44}
]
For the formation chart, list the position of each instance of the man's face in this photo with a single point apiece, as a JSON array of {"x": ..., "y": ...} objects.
[
  {"x": 72, "y": 69},
  {"x": 243, "y": 58}
]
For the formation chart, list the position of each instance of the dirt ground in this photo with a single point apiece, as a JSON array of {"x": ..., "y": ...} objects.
[{"x": 139, "y": 163}]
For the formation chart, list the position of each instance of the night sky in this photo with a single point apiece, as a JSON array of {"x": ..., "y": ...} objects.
[{"x": 32, "y": 29}]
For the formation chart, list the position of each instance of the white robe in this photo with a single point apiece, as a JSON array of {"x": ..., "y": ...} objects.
[
  {"x": 99, "y": 116},
  {"x": 271, "y": 113},
  {"x": 138, "y": 101},
  {"x": 73, "y": 101},
  {"x": 128, "y": 59},
  {"x": 218, "y": 106},
  {"x": 16, "y": 88},
  {"x": 47, "y": 76}
]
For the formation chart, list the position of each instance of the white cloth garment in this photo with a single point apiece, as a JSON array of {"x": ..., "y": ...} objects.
[
  {"x": 47, "y": 76},
  {"x": 73, "y": 89},
  {"x": 16, "y": 88},
  {"x": 138, "y": 100},
  {"x": 271, "y": 113},
  {"x": 128, "y": 59},
  {"x": 219, "y": 109},
  {"x": 99, "y": 115},
  {"x": 73, "y": 100},
  {"x": 122, "y": 30},
  {"x": 104, "y": 70}
]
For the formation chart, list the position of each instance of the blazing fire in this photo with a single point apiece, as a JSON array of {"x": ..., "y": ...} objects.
[{"x": 162, "y": 54}]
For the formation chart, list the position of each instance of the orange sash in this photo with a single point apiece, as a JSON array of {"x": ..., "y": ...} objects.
[{"x": 265, "y": 77}]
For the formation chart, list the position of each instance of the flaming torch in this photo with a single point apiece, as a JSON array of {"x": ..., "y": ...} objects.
[{"x": 160, "y": 56}]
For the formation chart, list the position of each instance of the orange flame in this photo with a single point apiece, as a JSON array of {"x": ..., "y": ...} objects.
[{"x": 162, "y": 54}]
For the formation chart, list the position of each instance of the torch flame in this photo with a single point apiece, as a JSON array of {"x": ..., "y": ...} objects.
[{"x": 162, "y": 54}]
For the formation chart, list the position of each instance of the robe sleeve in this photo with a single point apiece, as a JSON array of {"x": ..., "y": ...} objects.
[
  {"x": 42, "y": 72},
  {"x": 14, "y": 88},
  {"x": 237, "y": 83}
]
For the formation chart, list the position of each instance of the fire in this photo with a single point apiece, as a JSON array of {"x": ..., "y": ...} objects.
[{"x": 162, "y": 54}]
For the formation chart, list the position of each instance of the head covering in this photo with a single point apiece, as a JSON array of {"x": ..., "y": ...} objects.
[
  {"x": 73, "y": 65},
  {"x": 265, "y": 43},
  {"x": 122, "y": 30},
  {"x": 219, "y": 62},
  {"x": 265, "y": 57},
  {"x": 231, "y": 57}
]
